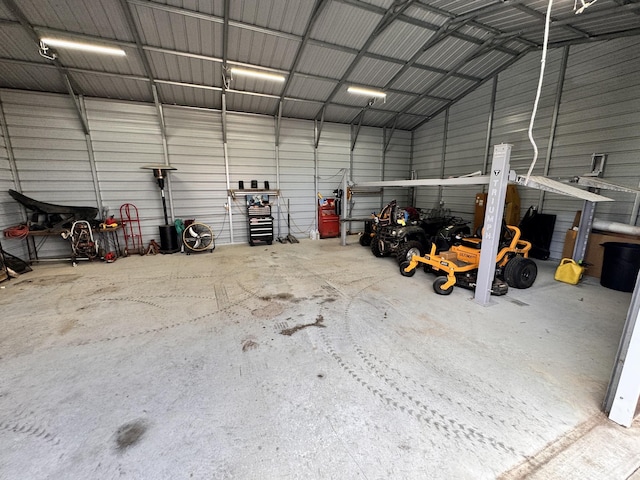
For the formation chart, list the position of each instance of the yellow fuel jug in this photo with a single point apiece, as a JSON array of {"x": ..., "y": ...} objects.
[{"x": 569, "y": 271}]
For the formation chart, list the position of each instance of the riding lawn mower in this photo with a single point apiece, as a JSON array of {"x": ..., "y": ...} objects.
[{"x": 459, "y": 265}]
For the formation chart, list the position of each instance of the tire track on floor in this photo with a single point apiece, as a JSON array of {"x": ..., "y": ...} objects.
[{"x": 450, "y": 427}]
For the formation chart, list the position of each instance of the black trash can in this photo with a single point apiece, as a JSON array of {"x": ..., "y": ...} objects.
[{"x": 620, "y": 266}]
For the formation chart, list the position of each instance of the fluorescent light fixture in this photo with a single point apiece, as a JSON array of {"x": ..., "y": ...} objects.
[
  {"x": 255, "y": 74},
  {"x": 87, "y": 47},
  {"x": 367, "y": 92}
]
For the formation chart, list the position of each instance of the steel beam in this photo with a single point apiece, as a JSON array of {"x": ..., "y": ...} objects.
[
  {"x": 318, "y": 129},
  {"x": 443, "y": 154},
  {"x": 492, "y": 109},
  {"x": 429, "y": 182},
  {"x": 92, "y": 159},
  {"x": 554, "y": 119},
  {"x": 496, "y": 195}
]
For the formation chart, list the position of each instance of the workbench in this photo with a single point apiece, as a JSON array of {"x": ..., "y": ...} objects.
[{"x": 107, "y": 240}]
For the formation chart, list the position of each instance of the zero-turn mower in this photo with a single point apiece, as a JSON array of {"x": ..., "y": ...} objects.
[{"x": 459, "y": 265}]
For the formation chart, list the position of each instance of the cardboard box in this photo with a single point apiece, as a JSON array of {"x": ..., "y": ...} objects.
[
  {"x": 595, "y": 251},
  {"x": 511, "y": 207}
]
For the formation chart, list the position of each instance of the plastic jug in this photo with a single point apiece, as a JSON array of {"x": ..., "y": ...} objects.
[{"x": 569, "y": 271}]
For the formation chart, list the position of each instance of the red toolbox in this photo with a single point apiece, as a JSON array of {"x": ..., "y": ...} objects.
[{"x": 328, "y": 220}]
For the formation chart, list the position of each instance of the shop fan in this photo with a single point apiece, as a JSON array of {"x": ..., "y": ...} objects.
[{"x": 198, "y": 237}]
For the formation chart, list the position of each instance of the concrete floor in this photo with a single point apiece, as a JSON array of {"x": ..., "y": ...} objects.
[{"x": 310, "y": 361}]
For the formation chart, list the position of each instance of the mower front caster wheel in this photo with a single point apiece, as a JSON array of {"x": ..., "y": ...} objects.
[
  {"x": 437, "y": 286},
  {"x": 410, "y": 273}
]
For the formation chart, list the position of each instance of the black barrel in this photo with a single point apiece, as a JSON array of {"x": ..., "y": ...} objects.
[
  {"x": 620, "y": 266},
  {"x": 168, "y": 239}
]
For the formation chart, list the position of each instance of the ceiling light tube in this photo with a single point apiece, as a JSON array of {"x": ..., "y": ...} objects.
[
  {"x": 367, "y": 92},
  {"x": 87, "y": 47},
  {"x": 255, "y": 74}
]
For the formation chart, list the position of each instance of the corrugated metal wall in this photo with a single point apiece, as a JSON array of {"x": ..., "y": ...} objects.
[
  {"x": 466, "y": 146},
  {"x": 10, "y": 213},
  {"x": 427, "y": 158},
  {"x": 54, "y": 162},
  {"x": 50, "y": 152},
  {"x": 514, "y": 102},
  {"x": 251, "y": 148},
  {"x": 397, "y": 166},
  {"x": 598, "y": 114},
  {"x": 199, "y": 185},
  {"x": 125, "y": 137},
  {"x": 367, "y": 166},
  {"x": 333, "y": 157},
  {"x": 296, "y": 177}
]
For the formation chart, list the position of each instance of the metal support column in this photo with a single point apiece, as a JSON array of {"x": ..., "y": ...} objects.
[
  {"x": 586, "y": 222},
  {"x": 498, "y": 181},
  {"x": 343, "y": 204},
  {"x": 442, "y": 160},
  {"x": 623, "y": 392},
  {"x": 92, "y": 159},
  {"x": 226, "y": 164},
  {"x": 492, "y": 108},
  {"x": 278, "y": 124},
  {"x": 317, "y": 131},
  {"x": 165, "y": 147},
  {"x": 554, "y": 120}
]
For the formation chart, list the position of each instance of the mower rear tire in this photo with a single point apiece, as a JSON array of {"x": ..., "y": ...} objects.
[
  {"x": 437, "y": 286},
  {"x": 408, "y": 250},
  {"x": 365, "y": 240},
  {"x": 375, "y": 247},
  {"x": 404, "y": 265},
  {"x": 520, "y": 272}
]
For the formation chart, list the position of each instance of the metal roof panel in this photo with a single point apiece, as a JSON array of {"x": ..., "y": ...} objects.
[
  {"x": 452, "y": 88},
  {"x": 325, "y": 61},
  {"x": 30, "y": 77},
  {"x": 447, "y": 53},
  {"x": 289, "y": 16},
  {"x": 15, "y": 43},
  {"x": 339, "y": 114},
  {"x": 310, "y": 88},
  {"x": 460, "y": 7},
  {"x": 195, "y": 97},
  {"x": 103, "y": 18},
  {"x": 112, "y": 87},
  {"x": 486, "y": 64},
  {"x": 415, "y": 80},
  {"x": 211, "y": 7},
  {"x": 251, "y": 104},
  {"x": 257, "y": 48},
  {"x": 421, "y": 13},
  {"x": 300, "y": 109},
  {"x": 345, "y": 25},
  {"x": 185, "y": 69},
  {"x": 426, "y": 107},
  {"x": 373, "y": 72},
  {"x": 401, "y": 40}
]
